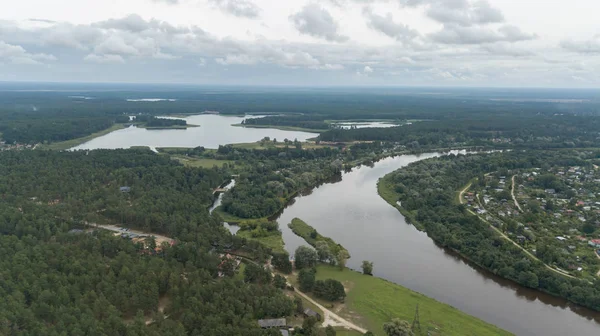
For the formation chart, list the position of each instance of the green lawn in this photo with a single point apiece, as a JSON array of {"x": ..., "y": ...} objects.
[
  {"x": 76, "y": 142},
  {"x": 372, "y": 301},
  {"x": 274, "y": 241}
]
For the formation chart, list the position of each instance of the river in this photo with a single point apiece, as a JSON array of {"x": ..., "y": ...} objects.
[
  {"x": 214, "y": 130},
  {"x": 353, "y": 214}
]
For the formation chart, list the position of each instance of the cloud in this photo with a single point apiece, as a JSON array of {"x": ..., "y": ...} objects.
[
  {"x": 237, "y": 60},
  {"x": 239, "y": 8},
  {"x": 387, "y": 26},
  {"x": 465, "y": 13},
  {"x": 18, "y": 55},
  {"x": 591, "y": 46},
  {"x": 456, "y": 34},
  {"x": 316, "y": 21},
  {"x": 506, "y": 49},
  {"x": 168, "y": 2},
  {"x": 104, "y": 58}
]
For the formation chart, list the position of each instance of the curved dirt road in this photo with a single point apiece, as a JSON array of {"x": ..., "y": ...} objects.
[{"x": 329, "y": 315}]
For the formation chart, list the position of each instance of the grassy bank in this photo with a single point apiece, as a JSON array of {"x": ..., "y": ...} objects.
[
  {"x": 311, "y": 236},
  {"x": 283, "y": 128},
  {"x": 372, "y": 301},
  {"x": 273, "y": 241},
  {"x": 76, "y": 142}
]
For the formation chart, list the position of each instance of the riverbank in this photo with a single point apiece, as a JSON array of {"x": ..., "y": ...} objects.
[
  {"x": 386, "y": 191},
  {"x": 64, "y": 145},
  {"x": 312, "y": 237},
  {"x": 176, "y": 127},
  {"x": 283, "y": 128},
  {"x": 370, "y": 302}
]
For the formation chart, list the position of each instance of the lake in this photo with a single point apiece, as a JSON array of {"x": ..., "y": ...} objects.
[
  {"x": 214, "y": 130},
  {"x": 352, "y": 213}
]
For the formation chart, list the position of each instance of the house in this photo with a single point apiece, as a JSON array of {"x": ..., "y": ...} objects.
[
  {"x": 273, "y": 323},
  {"x": 125, "y": 189},
  {"x": 311, "y": 313},
  {"x": 594, "y": 243}
]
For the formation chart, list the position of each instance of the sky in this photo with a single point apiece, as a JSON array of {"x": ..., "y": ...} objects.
[{"x": 492, "y": 43}]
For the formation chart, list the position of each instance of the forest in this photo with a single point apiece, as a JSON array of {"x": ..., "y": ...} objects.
[
  {"x": 427, "y": 190},
  {"x": 61, "y": 112},
  {"x": 538, "y": 132},
  {"x": 60, "y": 277}
]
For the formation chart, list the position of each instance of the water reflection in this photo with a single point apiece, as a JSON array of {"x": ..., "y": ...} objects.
[{"x": 353, "y": 214}]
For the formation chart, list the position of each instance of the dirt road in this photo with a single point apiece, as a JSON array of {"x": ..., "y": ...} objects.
[
  {"x": 332, "y": 318},
  {"x": 512, "y": 192}
]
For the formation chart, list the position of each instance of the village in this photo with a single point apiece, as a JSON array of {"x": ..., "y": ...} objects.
[{"x": 553, "y": 213}]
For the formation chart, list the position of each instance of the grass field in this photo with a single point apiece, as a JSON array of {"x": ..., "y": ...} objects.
[
  {"x": 76, "y": 142},
  {"x": 274, "y": 241},
  {"x": 371, "y": 301},
  {"x": 284, "y": 128},
  {"x": 303, "y": 230},
  {"x": 202, "y": 163}
]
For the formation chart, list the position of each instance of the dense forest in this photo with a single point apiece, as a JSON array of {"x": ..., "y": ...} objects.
[
  {"x": 493, "y": 132},
  {"x": 313, "y": 122},
  {"x": 61, "y": 112},
  {"x": 427, "y": 190},
  {"x": 58, "y": 281},
  {"x": 270, "y": 177}
]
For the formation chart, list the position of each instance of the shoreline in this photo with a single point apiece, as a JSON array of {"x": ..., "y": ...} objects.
[
  {"x": 68, "y": 144},
  {"x": 385, "y": 195},
  {"x": 283, "y": 128}
]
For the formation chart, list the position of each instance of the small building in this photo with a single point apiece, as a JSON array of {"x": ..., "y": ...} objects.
[
  {"x": 125, "y": 189},
  {"x": 280, "y": 323},
  {"x": 594, "y": 243},
  {"x": 311, "y": 313}
]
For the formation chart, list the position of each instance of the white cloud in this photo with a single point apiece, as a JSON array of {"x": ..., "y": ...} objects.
[
  {"x": 104, "y": 58},
  {"x": 316, "y": 21},
  {"x": 426, "y": 41},
  {"x": 18, "y": 55},
  {"x": 591, "y": 46},
  {"x": 239, "y": 8},
  {"x": 387, "y": 26}
]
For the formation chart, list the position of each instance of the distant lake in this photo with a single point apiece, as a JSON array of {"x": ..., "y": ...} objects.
[{"x": 214, "y": 130}]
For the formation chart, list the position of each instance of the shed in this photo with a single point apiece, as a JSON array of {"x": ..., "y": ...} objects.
[
  {"x": 272, "y": 323},
  {"x": 311, "y": 313}
]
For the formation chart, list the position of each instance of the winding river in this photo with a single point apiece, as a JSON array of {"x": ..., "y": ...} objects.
[{"x": 353, "y": 214}]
